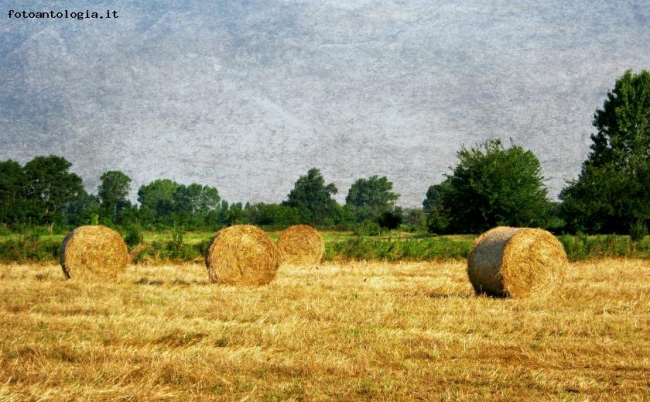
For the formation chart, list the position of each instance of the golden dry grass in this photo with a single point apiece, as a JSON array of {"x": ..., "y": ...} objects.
[{"x": 358, "y": 331}]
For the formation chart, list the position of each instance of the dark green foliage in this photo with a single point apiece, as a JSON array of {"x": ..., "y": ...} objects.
[
  {"x": 369, "y": 198},
  {"x": 165, "y": 203},
  {"x": 12, "y": 184},
  {"x": 490, "y": 186},
  {"x": 415, "y": 220},
  {"x": 49, "y": 189},
  {"x": 112, "y": 193},
  {"x": 157, "y": 201},
  {"x": 177, "y": 240},
  {"x": 274, "y": 216},
  {"x": 133, "y": 236},
  {"x": 555, "y": 223},
  {"x": 84, "y": 210},
  {"x": 234, "y": 215},
  {"x": 313, "y": 198},
  {"x": 638, "y": 230},
  {"x": 195, "y": 204},
  {"x": 438, "y": 215},
  {"x": 391, "y": 219},
  {"x": 195, "y": 199},
  {"x": 612, "y": 193},
  {"x": 367, "y": 228}
]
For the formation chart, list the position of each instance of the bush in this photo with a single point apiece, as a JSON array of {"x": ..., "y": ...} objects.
[
  {"x": 133, "y": 236},
  {"x": 4, "y": 230},
  {"x": 638, "y": 230},
  {"x": 391, "y": 219},
  {"x": 368, "y": 228},
  {"x": 176, "y": 246},
  {"x": 393, "y": 249},
  {"x": 582, "y": 247},
  {"x": 30, "y": 248},
  {"x": 491, "y": 186},
  {"x": 176, "y": 250}
]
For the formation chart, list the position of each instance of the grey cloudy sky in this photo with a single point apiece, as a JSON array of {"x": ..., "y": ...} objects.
[{"x": 246, "y": 96}]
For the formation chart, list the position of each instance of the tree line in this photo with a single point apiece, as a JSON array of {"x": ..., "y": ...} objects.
[
  {"x": 491, "y": 185},
  {"x": 44, "y": 192}
]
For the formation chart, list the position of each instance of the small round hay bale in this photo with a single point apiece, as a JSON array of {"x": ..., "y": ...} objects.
[
  {"x": 516, "y": 262},
  {"x": 93, "y": 252},
  {"x": 301, "y": 245},
  {"x": 242, "y": 255}
]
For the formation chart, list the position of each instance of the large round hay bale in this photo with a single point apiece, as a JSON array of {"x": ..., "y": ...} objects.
[
  {"x": 242, "y": 255},
  {"x": 516, "y": 262},
  {"x": 301, "y": 245},
  {"x": 93, "y": 252}
]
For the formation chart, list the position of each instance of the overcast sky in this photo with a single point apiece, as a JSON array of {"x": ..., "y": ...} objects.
[{"x": 246, "y": 96}]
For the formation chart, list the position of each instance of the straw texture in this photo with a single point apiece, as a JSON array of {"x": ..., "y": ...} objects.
[{"x": 516, "y": 262}]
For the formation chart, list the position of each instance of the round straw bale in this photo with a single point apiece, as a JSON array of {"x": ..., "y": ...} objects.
[
  {"x": 93, "y": 252},
  {"x": 516, "y": 262},
  {"x": 242, "y": 255},
  {"x": 301, "y": 245}
]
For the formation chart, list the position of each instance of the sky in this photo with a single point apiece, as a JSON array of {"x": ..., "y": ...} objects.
[{"x": 247, "y": 96}]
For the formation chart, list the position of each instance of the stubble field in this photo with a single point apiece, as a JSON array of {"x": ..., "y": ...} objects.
[{"x": 341, "y": 331}]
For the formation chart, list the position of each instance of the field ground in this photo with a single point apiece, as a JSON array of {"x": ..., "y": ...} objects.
[{"x": 341, "y": 331}]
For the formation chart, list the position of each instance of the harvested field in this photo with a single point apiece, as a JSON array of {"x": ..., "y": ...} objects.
[{"x": 357, "y": 331}]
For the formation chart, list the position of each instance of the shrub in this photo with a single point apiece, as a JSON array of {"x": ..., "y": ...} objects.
[
  {"x": 133, "y": 236},
  {"x": 638, "y": 230}
]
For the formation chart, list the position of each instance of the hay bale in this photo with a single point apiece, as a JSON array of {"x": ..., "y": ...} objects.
[
  {"x": 301, "y": 245},
  {"x": 93, "y": 252},
  {"x": 516, "y": 262},
  {"x": 242, "y": 255}
]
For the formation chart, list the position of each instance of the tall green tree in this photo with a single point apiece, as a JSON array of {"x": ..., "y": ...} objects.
[
  {"x": 438, "y": 216},
  {"x": 12, "y": 183},
  {"x": 50, "y": 187},
  {"x": 313, "y": 198},
  {"x": 274, "y": 215},
  {"x": 84, "y": 210},
  {"x": 194, "y": 202},
  {"x": 612, "y": 193},
  {"x": 157, "y": 201},
  {"x": 370, "y": 198},
  {"x": 235, "y": 214},
  {"x": 113, "y": 191},
  {"x": 490, "y": 186}
]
